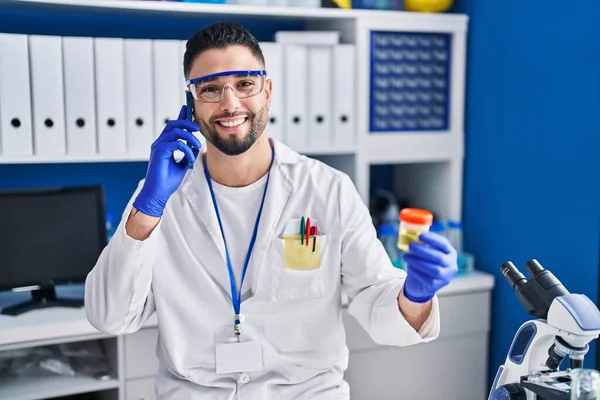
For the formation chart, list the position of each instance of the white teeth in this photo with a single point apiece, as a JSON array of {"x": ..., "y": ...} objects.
[{"x": 232, "y": 124}]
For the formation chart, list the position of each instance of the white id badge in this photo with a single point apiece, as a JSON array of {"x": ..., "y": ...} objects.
[{"x": 241, "y": 353}]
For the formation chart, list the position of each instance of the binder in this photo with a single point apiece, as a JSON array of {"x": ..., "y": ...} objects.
[
  {"x": 167, "y": 83},
  {"x": 344, "y": 99},
  {"x": 182, "y": 99},
  {"x": 184, "y": 89},
  {"x": 295, "y": 95},
  {"x": 272, "y": 53},
  {"x": 16, "y": 132},
  {"x": 110, "y": 95},
  {"x": 320, "y": 93},
  {"x": 47, "y": 95},
  {"x": 80, "y": 101},
  {"x": 139, "y": 95}
]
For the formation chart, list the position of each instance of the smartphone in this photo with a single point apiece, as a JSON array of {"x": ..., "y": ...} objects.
[
  {"x": 189, "y": 106},
  {"x": 189, "y": 103}
]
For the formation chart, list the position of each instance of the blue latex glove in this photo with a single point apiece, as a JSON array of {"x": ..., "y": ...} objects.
[
  {"x": 164, "y": 174},
  {"x": 430, "y": 265}
]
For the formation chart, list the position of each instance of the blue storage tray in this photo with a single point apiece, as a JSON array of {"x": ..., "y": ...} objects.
[{"x": 409, "y": 81}]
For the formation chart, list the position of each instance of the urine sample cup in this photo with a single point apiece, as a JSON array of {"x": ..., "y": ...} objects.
[{"x": 413, "y": 222}]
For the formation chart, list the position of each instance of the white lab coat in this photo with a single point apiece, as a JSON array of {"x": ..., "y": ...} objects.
[{"x": 180, "y": 273}]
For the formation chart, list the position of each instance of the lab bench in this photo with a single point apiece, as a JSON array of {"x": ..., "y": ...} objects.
[{"x": 375, "y": 372}]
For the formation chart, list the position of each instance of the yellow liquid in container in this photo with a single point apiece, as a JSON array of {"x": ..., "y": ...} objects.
[
  {"x": 413, "y": 222},
  {"x": 406, "y": 236}
]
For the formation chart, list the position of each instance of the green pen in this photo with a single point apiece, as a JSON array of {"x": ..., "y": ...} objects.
[{"x": 302, "y": 229}]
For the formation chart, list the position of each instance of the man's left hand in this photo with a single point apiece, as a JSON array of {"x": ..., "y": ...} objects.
[{"x": 431, "y": 264}]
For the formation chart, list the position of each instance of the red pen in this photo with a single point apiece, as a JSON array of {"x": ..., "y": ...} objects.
[{"x": 307, "y": 230}]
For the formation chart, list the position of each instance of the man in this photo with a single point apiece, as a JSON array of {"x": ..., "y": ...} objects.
[{"x": 192, "y": 240}]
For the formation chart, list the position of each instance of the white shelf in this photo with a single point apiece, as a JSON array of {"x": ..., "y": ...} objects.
[
  {"x": 44, "y": 324},
  {"x": 29, "y": 388},
  {"x": 329, "y": 152},
  {"x": 476, "y": 281},
  {"x": 407, "y": 147},
  {"x": 70, "y": 159},
  {"x": 134, "y": 158},
  {"x": 51, "y": 325},
  {"x": 272, "y": 12}
]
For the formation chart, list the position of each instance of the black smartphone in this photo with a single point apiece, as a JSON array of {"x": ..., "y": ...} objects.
[
  {"x": 189, "y": 106},
  {"x": 189, "y": 103}
]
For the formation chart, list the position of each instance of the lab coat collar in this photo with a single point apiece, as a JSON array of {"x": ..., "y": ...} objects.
[
  {"x": 283, "y": 154},
  {"x": 195, "y": 189}
]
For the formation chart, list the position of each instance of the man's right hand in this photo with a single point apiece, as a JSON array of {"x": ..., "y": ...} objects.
[{"x": 164, "y": 174}]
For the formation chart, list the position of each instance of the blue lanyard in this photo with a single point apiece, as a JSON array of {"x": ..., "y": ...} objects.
[{"x": 236, "y": 297}]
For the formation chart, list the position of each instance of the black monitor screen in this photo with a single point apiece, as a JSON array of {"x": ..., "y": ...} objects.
[{"x": 51, "y": 235}]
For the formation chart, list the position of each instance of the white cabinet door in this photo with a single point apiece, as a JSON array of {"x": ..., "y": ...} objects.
[
  {"x": 140, "y": 354},
  {"x": 142, "y": 389}
]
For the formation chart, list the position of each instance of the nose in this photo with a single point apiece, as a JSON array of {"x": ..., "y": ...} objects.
[{"x": 229, "y": 101}]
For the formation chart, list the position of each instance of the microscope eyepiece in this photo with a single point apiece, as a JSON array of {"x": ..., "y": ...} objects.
[
  {"x": 514, "y": 277},
  {"x": 551, "y": 285},
  {"x": 536, "y": 294},
  {"x": 534, "y": 267}
]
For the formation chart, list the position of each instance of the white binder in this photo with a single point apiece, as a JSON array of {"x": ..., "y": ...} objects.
[
  {"x": 80, "y": 92},
  {"x": 320, "y": 92},
  {"x": 273, "y": 53},
  {"x": 110, "y": 95},
  {"x": 182, "y": 100},
  {"x": 47, "y": 89},
  {"x": 139, "y": 95},
  {"x": 167, "y": 82},
  {"x": 16, "y": 133},
  {"x": 344, "y": 98},
  {"x": 295, "y": 95}
]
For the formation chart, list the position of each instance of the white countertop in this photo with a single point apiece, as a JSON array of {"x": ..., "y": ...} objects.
[
  {"x": 57, "y": 323},
  {"x": 476, "y": 281}
]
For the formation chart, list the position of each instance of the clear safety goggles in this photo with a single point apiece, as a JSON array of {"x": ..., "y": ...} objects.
[{"x": 244, "y": 84}]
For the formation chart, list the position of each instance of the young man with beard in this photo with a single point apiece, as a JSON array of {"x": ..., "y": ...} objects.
[{"x": 247, "y": 295}]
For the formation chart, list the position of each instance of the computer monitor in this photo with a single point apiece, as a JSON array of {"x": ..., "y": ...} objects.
[{"x": 49, "y": 236}]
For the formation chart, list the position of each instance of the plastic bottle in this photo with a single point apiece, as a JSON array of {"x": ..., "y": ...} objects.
[
  {"x": 466, "y": 261},
  {"x": 388, "y": 233},
  {"x": 454, "y": 234},
  {"x": 387, "y": 230},
  {"x": 413, "y": 222},
  {"x": 438, "y": 227}
]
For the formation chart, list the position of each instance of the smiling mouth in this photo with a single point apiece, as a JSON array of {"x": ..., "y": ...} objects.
[{"x": 233, "y": 123}]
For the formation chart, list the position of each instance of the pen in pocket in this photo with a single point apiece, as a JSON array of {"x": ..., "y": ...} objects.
[{"x": 313, "y": 232}]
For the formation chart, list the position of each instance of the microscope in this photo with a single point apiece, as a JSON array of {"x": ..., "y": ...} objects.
[{"x": 565, "y": 323}]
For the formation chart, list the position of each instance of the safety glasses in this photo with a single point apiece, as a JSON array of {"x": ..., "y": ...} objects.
[{"x": 244, "y": 84}]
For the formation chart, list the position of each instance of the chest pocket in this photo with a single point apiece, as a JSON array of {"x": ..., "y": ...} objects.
[{"x": 299, "y": 273}]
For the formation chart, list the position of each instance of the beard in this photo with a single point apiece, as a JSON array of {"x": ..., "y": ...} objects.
[{"x": 232, "y": 145}]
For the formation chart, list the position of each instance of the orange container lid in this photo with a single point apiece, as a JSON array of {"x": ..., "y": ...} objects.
[{"x": 416, "y": 216}]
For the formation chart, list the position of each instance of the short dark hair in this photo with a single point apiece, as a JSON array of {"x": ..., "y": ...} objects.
[{"x": 219, "y": 35}]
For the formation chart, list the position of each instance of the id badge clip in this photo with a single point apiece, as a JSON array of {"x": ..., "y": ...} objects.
[{"x": 238, "y": 347}]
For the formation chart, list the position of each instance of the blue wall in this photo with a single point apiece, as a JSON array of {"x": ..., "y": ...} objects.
[{"x": 532, "y": 147}]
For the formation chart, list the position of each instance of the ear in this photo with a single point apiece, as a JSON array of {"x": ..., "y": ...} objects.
[{"x": 268, "y": 88}]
